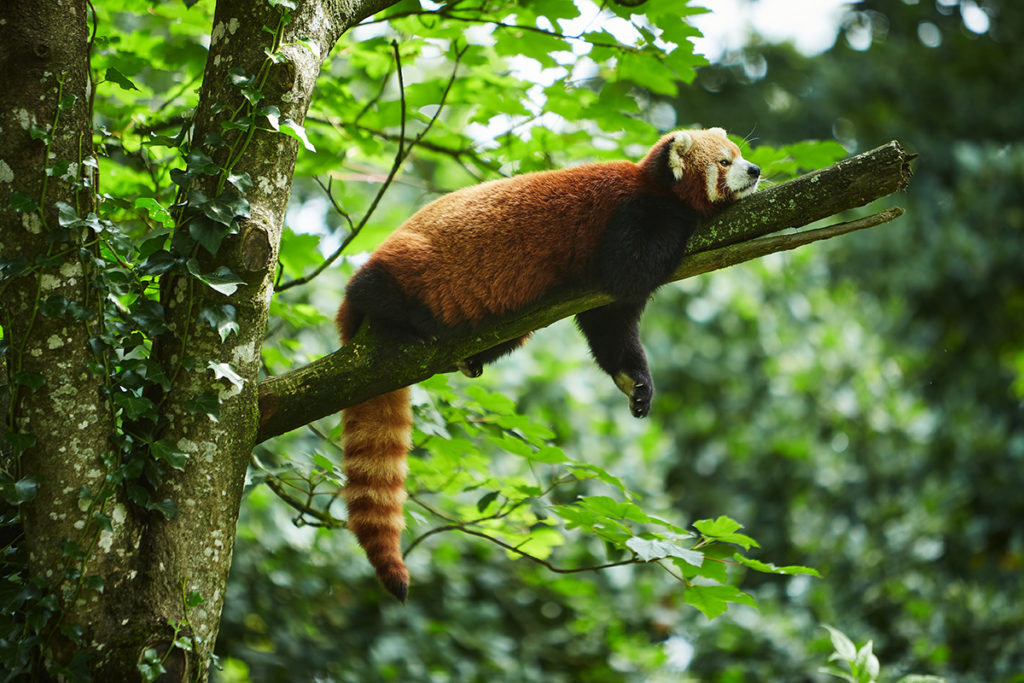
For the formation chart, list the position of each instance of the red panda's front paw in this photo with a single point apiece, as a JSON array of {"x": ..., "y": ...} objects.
[{"x": 640, "y": 399}]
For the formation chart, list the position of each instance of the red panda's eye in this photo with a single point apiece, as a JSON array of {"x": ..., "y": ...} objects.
[{"x": 725, "y": 162}]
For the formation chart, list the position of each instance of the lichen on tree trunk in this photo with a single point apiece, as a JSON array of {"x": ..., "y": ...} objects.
[{"x": 135, "y": 579}]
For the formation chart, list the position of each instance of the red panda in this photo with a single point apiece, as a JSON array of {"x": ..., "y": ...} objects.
[{"x": 492, "y": 248}]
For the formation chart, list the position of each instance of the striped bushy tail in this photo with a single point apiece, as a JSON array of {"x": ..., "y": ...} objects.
[{"x": 377, "y": 437}]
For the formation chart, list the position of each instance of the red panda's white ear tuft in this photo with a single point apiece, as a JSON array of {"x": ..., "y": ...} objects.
[
  {"x": 677, "y": 149},
  {"x": 718, "y": 131}
]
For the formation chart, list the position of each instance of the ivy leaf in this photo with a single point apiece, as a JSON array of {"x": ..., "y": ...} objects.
[
  {"x": 37, "y": 132},
  {"x": 246, "y": 85},
  {"x": 156, "y": 211},
  {"x": 219, "y": 211},
  {"x": 103, "y": 521},
  {"x": 155, "y": 140},
  {"x": 225, "y": 371},
  {"x": 165, "y": 450},
  {"x": 116, "y": 76},
  {"x": 242, "y": 181},
  {"x": 208, "y": 232},
  {"x": 66, "y": 215},
  {"x": 21, "y": 491},
  {"x": 292, "y": 129},
  {"x": 71, "y": 549},
  {"x": 196, "y": 164},
  {"x": 151, "y": 667},
  {"x": 23, "y": 203},
  {"x": 94, "y": 582},
  {"x": 53, "y": 306},
  {"x": 202, "y": 163},
  {"x": 80, "y": 312},
  {"x": 312, "y": 46},
  {"x": 214, "y": 140},
  {"x": 221, "y": 317},
  {"x": 158, "y": 263},
  {"x": 273, "y": 115},
  {"x": 150, "y": 316},
  {"x": 20, "y": 441},
  {"x": 166, "y": 507},
  {"x": 29, "y": 378},
  {"x": 221, "y": 280},
  {"x": 227, "y": 206},
  {"x": 207, "y": 404},
  {"x": 135, "y": 407}
]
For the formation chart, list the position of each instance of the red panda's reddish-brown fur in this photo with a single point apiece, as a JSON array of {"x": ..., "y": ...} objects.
[
  {"x": 480, "y": 277},
  {"x": 488, "y": 250}
]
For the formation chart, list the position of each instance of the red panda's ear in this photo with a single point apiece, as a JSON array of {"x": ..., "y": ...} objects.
[
  {"x": 678, "y": 147},
  {"x": 719, "y": 131}
]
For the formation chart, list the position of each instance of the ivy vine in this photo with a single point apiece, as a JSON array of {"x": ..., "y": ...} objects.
[{"x": 131, "y": 252}]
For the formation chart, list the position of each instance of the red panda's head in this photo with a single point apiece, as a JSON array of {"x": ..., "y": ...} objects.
[{"x": 704, "y": 168}]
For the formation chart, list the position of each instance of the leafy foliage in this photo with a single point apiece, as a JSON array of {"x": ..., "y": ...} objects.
[
  {"x": 799, "y": 396},
  {"x": 121, "y": 243},
  {"x": 855, "y": 408}
]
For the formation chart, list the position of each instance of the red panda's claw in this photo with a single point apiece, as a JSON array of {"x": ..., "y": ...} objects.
[
  {"x": 399, "y": 589},
  {"x": 640, "y": 400}
]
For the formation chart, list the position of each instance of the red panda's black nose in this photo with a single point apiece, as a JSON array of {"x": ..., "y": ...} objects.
[{"x": 753, "y": 170}]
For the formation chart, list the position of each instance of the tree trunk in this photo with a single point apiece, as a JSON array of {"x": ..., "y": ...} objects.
[{"x": 120, "y": 589}]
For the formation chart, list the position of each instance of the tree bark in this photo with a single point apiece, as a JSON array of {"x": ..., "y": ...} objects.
[
  {"x": 370, "y": 365},
  {"x": 131, "y": 583},
  {"x": 62, "y": 420}
]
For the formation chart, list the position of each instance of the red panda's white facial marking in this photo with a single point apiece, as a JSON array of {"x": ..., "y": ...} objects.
[
  {"x": 710, "y": 158},
  {"x": 741, "y": 176},
  {"x": 729, "y": 176}
]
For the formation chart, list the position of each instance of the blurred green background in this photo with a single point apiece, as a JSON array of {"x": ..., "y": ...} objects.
[{"x": 856, "y": 404}]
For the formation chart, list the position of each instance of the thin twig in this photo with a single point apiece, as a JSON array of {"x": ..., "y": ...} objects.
[
  {"x": 280, "y": 488},
  {"x": 458, "y": 154},
  {"x": 403, "y": 152},
  {"x": 545, "y": 563},
  {"x": 502, "y": 512},
  {"x": 446, "y": 13}
]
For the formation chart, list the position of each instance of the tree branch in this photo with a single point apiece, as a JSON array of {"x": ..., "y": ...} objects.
[{"x": 370, "y": 364}]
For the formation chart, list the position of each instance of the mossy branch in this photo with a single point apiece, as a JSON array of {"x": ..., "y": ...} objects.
[{"x": 371, "y": 365}]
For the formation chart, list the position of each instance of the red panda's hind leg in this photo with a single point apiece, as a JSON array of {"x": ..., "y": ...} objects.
[{"x": 474, "y": 365}]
